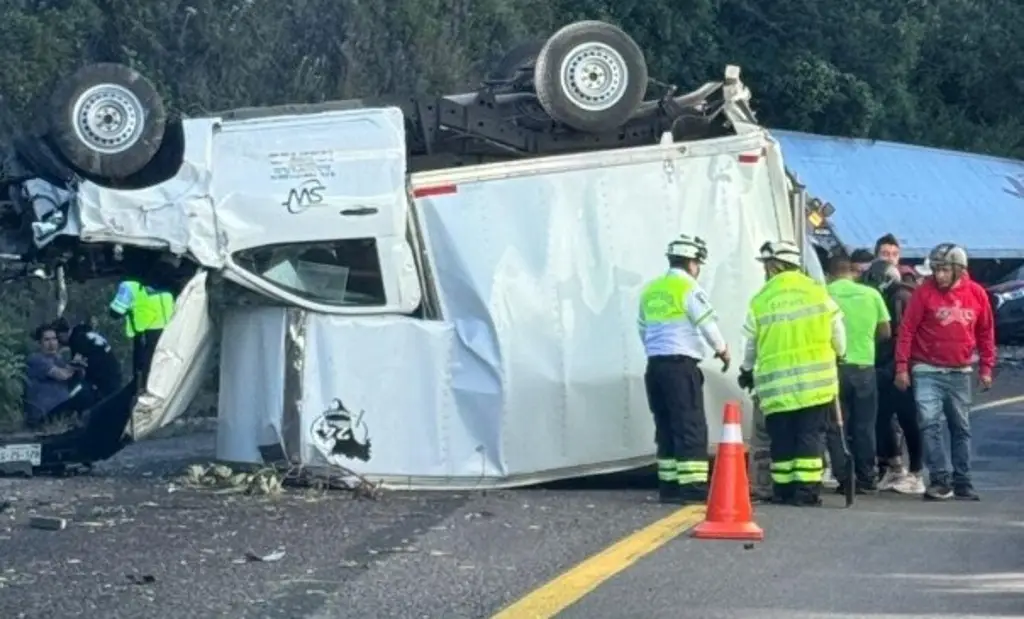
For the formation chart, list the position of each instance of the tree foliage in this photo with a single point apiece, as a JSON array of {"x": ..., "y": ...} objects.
[{"x": 947, "y": 73}]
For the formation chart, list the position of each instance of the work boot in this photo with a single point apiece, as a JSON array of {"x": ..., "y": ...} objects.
[
  {"x": 965, "y": 492},
  {"x": 693, "y": 494},
  {"x": 782, "y": 495},
  {"x": 761, "y": 495},
  {"x": 668, "y": 493},
  {"x": 806, "y": 497}
]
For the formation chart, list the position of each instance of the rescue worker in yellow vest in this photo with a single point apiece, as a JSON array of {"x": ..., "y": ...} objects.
[
  {"x": 794, "y": 334},
  {"x": 676, "y": 319},
  {"x": 146, "y": 311}
]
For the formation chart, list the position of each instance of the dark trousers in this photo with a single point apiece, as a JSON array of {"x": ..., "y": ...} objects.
[
  {"x": 82, "y": 399},
  {"x": 143, "y": 347},
  {"x": 675, "y": 393},
  {"x": 798, "y": 453},
  {"x": 858, "y": 395},
  {"x": 893, "y": 402}
]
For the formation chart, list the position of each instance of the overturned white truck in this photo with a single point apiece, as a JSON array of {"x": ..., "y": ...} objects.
[{"x": 446, "y": 288}]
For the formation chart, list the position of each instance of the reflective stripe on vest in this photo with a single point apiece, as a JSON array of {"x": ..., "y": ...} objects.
[
  {"x": 663, "y": 308},
  {"x": 796, "y": 365},
  {"x": 149, "y": 311}
]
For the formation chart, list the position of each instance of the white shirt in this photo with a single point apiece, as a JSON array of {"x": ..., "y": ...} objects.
[{"x": 684, "y": 337}]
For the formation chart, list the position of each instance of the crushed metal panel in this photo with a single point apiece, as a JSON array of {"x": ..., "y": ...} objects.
[{"x": 924, "y": 196}]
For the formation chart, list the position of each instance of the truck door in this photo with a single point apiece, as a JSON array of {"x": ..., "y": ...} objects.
[
  {"x": 181, "y": 362},
  {"x": 312, "y": 210}
]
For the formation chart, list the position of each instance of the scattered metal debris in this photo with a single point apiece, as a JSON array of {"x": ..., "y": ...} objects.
[
  {"x": 277, "y": 555},
  {"x": 393, "y": 550},
  {"x": 47, "y": 523}
]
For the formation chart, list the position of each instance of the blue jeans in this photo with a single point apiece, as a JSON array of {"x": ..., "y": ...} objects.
[{"x": 945, "y": 397}]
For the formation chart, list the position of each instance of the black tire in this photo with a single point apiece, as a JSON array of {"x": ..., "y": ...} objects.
[
  {"x": 135, "y": 111},
  {"x": 621, "y": 65},
  {"x": 519, "y": 58}
]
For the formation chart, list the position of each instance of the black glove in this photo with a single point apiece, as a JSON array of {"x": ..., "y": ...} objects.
[{"x": 746, "y": 380}]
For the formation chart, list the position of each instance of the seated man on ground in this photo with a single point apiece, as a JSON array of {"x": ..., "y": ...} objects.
[{"x": 51, "y": 387}]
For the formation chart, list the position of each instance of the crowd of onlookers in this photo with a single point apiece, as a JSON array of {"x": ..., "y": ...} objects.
[{"x": 927, "y": 326}]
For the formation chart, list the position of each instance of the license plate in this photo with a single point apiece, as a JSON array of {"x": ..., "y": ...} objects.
[{"x": 29, "y": 452}]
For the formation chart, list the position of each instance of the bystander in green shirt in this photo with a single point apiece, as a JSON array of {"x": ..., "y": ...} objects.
[{"x": 863, "y": 310}]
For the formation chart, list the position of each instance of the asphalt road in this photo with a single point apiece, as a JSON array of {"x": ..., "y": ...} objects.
[
  {"x": 888, "y": 556},
  {"x": 140, "y": 546}
]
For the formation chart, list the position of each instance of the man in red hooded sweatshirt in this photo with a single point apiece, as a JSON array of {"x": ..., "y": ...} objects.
[{"x": 947, "y": 320}]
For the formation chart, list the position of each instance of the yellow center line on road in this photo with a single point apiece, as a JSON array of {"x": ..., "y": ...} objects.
[{"x": 558, "y": 594}]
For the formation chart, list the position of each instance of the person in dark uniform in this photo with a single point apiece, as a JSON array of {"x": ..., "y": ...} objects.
[
  {"x": 676, "y": 322},
  {"x": 92, "y": 351}
]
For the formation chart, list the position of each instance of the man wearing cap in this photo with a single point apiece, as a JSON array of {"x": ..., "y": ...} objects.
[
  {"x": 676, "y": 322},
  {"x": 794, "y": 334}
]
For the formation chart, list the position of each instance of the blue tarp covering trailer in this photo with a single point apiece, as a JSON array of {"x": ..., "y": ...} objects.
[{"x": 924, "y": 196}]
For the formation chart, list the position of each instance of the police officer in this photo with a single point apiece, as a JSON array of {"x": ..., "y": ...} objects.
[
  {"x": 794, "y": 334},
  {"x": 90, "y": 349},
  {"x": 146, "y": 311},
  {"x": 676, "y": 319}
]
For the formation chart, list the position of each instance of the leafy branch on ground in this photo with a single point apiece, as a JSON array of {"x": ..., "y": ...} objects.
[{"x": 272, "y": 480}]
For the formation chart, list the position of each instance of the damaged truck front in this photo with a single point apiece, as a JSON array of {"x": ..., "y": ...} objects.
[{"x": 445, "y": 286}]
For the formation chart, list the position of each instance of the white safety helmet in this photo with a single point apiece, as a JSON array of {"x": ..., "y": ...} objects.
[
  {"x": 689, "y": 248},
  {"x": 785, "y": 252}
]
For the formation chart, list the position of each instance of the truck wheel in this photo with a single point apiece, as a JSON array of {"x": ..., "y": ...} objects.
[
  {"x": 107, "y": 120},
  {"x": 591, "y": 76},
  {"x": 522, "y": 56}
]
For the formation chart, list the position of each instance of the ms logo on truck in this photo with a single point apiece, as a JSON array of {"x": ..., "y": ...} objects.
[
  {"x": 339, "y": 436},
  {"x": 306, "y": 195}
]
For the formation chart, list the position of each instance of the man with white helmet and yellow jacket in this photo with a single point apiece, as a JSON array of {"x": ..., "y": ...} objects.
[
  {"x": 676, "y": 322},
  {"x": 794, "y": 336}
]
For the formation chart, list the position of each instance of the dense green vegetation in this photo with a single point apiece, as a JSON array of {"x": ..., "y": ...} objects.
[{"x": 947, "y": 73}]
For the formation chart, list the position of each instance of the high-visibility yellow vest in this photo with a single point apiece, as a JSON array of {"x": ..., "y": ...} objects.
[
  {"x": 149, "y": 310},
  {"x": 796, "y": 364},
  {"x": 663, "y": 300}
]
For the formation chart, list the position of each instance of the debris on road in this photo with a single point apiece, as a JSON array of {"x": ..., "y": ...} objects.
[
  {"x": 252, "y": 557},
  {"x": 271, "y": 480},
  {"x": 47, "y": 523},
  {"x": 393, "y": 550},
  {"x": 222, "y": 478}
]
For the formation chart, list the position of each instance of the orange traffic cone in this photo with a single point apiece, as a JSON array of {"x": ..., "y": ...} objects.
[{"x": 730, "y": 513}]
